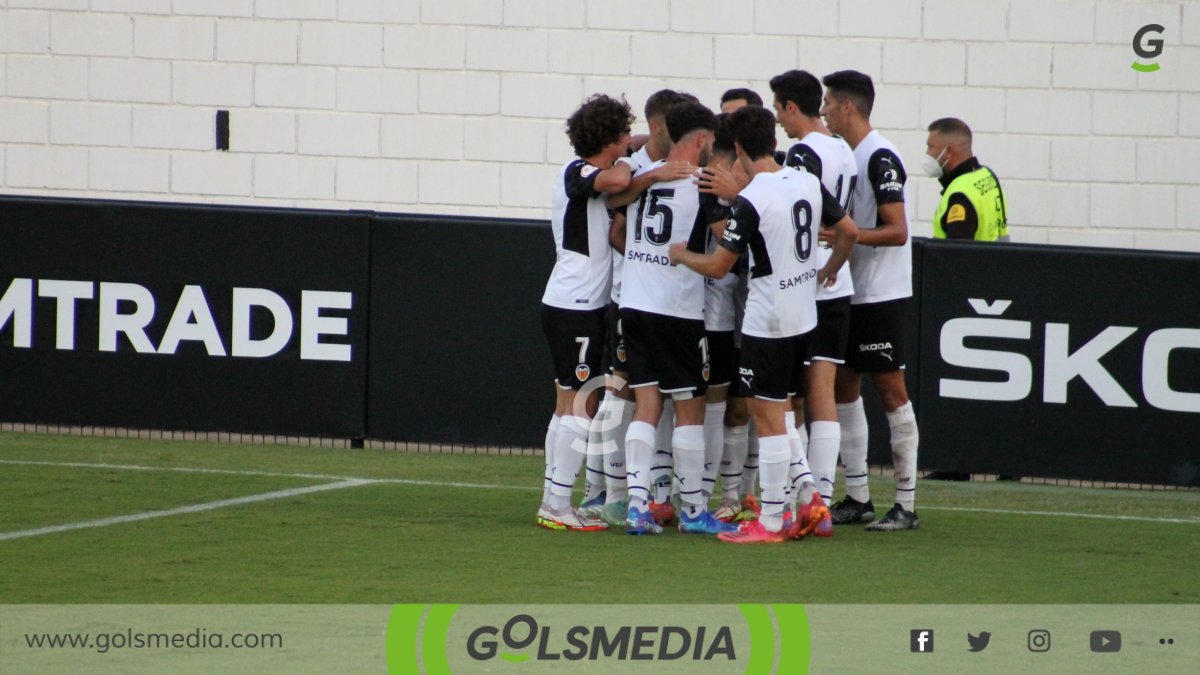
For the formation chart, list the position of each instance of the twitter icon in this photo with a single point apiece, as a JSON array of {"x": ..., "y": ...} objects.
[{"x": 980, "y": 643}]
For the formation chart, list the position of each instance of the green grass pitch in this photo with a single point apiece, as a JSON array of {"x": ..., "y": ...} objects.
[{"x": 428, "y": 540}]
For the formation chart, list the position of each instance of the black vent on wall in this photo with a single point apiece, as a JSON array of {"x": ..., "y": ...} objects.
[{"x": 222, "y": 129}]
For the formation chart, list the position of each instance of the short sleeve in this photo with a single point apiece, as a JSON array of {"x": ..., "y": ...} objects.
[
  {"x": 580, "y": 179},
  {"x": 711, "y": 209},
  {"x": 960, "y": 221},
  {"x": 742, "y": 226},
  {"x": 831, "y": 211},
  {"x": 804, "y": 158},
  {"x": 887, "y": 177}
]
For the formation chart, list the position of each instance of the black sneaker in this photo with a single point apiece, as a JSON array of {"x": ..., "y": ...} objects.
[
  {"x": 850, "y": 511},
  {"x": 898, "y": 518}
]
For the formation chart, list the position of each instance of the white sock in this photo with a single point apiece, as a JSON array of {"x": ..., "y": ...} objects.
[
  {"x": 825, "y": 437},
  {"x": 903, "y": 424},
  {"x": 775, "y": 453},
  {"x": 569, "y": 449},
  {"x": 551, "y": 434},
  {"x": 593, "y": 485},
  {"x": 853, "y": 420},
  {"x": 662, "y": 472},
  {"x": 639, "y": 452},
  {"x": 733, "y": 458},
  {"x": 750, "y": 467},
  {"x": 688, "y": 445},
  {"x": 714, "y": 444},
  {"x": 614, "y": 460},
  {"x": 800, "y": 486}
]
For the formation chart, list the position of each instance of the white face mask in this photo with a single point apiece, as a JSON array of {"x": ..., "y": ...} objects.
[{"x": 933, "y": 165}]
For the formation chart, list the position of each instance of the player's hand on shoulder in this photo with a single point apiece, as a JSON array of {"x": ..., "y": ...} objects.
[
  {"x": 724, "y": 184},
  {"x": 674, "y": 171},
  {"x": 826, "y": 235}
]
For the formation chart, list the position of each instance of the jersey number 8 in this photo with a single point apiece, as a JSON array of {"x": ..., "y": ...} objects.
[{"x": 802, "y": 222}]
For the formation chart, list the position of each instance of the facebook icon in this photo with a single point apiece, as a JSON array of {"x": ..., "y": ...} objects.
[{"x": 921, "y": 641}]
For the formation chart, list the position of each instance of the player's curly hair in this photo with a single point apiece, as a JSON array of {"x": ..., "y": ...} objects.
[{"x": 601, "y": 121}]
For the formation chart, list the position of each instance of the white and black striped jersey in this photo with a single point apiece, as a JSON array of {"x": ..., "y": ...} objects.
[
  {"x": 579, "y": 218},
  {"x": 881, "y": 273},
  {"x": 720, "y": 313},
  {"x": 664, "y": 214},
  {"x": 830, "y": 159},
  {"x": 776, "y": 217}
]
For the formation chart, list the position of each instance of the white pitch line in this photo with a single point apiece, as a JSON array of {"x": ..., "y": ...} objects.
[
  {"x": 1194, "y": 521},
  {"x": 231, "y": 472},
  {"x": 103, "y": 522},
  {"x": 402, "y": 481}
]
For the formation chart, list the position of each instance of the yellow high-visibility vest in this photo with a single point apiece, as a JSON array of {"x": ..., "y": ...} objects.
[{"x": 982, "y": 188}]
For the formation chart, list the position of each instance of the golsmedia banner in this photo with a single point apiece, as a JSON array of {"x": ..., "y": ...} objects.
[
  {"x": 448, "y": 639},
  {"x": 715, "y": 639}
]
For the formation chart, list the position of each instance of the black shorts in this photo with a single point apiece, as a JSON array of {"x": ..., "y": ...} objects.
[
  {"x": 876, "y": 340},
  {"x": 616, "y": 340},
  {"x": 833, "y": 328},
  {"x": 665, "y": 351},
  {"x": 576, "y": 341},
  {"x": 773, "y": 368},
  {"x": 720, "y": 358},
  {"x": 736, "y": 387}
]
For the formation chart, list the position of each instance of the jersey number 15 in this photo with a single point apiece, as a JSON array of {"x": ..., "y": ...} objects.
[{"x": 663, "y": 234}]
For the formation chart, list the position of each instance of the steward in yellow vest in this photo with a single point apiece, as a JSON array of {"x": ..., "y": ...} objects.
[{"x": 973, "y": 205}]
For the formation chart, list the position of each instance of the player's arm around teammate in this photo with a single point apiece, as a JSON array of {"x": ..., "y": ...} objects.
[
  {"x": 773, "y": 218},
  {"x": 573, "y": 306}
]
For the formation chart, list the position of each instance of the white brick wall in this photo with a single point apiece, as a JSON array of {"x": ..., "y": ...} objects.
[
  {"x": 24, "y": 122},
  {"x": 174, "y": 38},
  {"x": 124, "y": 170},
  {"x": 25, "y": 32},
  {"x": 253, "y": 41},
  {"x": 381, "y": 181},
  {"x": 132, "y": 80},
  {"x": 334, "y": 135},
  {"x": 396, "y": 104},
  {"x": 89, "y": 124},
  {"x": 787, "y": 17},
  {"x": 212, "y": 84},
  {"x": 880, "y": 18},
  {"x": 211, "y": 174},
  {"x": 376, "y": 90},
  {"x": 173, "y": 128},
  {"x": 966, "y": 20},
  {"x": 335, "y": 44}
]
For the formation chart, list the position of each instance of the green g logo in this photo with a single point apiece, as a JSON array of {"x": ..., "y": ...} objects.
[{"x": 1151, "y": 49}]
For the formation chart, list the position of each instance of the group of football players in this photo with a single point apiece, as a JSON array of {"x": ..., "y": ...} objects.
[{"x": 723, "y": 293}]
